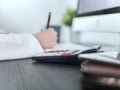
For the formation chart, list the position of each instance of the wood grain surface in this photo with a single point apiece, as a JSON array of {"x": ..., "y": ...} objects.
[{"x": 31, "y": 75}]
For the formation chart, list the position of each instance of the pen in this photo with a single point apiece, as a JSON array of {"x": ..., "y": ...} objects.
[
  {"x": 48, "y": 22},
  {"x": 92, "y": 49}
]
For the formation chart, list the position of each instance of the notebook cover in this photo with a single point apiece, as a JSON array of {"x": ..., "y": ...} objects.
[{"x": 100, "y": 69}]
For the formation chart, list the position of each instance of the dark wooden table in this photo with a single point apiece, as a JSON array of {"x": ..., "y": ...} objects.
[{"x": 31, "y": 75}]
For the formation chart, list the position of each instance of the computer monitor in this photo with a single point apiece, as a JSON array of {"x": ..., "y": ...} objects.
[
  {"x": 97, "y": 7},
  {"x": 97, "y": 15}
]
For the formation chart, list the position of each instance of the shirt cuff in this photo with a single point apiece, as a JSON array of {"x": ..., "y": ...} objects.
[
  {"x": 16, "y": 46},
  {"x": 33, "y": 44}
]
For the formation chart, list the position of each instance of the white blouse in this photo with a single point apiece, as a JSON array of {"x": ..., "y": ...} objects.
[{"x": 16, "y": 46}]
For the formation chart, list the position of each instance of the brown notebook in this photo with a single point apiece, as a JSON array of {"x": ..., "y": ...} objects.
[
  {"x": 101, "y": 73},
  {"x": 99, "y": 68}
]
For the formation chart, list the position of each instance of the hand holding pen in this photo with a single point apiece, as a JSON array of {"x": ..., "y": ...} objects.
[{"x": 48, "y": 37}]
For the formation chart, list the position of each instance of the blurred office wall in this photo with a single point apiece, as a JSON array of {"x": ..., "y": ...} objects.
[
  {"x": 29, "y": 15},
  {"x": 72, "y": 3}
]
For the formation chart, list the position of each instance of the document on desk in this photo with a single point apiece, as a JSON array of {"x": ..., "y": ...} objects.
[{"x": 105, "y": 57}]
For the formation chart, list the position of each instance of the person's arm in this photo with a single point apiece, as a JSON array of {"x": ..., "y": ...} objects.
[{"x": 15, "y": 46}]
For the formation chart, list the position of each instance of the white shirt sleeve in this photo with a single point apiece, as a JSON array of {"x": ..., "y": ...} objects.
[{"x": 15, "y": 46}]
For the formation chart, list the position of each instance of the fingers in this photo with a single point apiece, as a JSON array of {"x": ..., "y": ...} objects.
[
  {"x": 51, "y": 31},
  {"x": 50, "y": 45},
  {"x": 47, "y": 38},
  {"x": 52, "y": 38}
]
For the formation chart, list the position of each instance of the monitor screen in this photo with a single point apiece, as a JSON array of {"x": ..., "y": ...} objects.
[{"x": 91, "y": 7}]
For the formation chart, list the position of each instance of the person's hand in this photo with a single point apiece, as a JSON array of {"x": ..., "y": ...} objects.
[{"x": 47, "y": 38}]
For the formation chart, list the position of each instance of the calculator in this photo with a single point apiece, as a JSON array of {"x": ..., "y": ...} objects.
[
  {"x": 58, "y": 56},
  {"x": 64, "y": 56}
]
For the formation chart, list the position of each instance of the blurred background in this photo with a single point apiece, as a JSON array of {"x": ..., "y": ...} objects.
[{"x": 31, "y": 15}]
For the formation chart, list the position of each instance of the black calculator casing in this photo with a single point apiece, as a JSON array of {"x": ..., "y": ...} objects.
[{"x": 72, "y": 59}]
